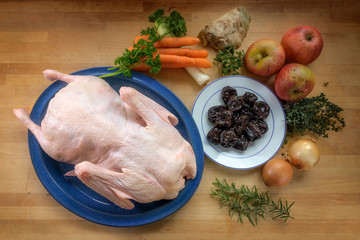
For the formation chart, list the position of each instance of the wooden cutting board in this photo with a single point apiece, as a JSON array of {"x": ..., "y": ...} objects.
[{"x": 73, "y": 35}]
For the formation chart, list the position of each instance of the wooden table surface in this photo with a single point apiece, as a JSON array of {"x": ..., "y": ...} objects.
[{"x": 72, "y": 35}]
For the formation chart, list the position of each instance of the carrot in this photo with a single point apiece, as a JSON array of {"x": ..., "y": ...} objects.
[
  {"x": 175, "y": 59},
  {"x": 202, "y": 63},
  {"x": 176, "y": 42},
  {"x": 167, "y": 58},
  {"x": 141, "y": 68},
  {"x": 171, "y": 42},
  {"x": 137, "y": 38},
  {"x": 188, "y": 52},
  {"x": 182, "y": 65},
  {"x": 197, "y": 62}
]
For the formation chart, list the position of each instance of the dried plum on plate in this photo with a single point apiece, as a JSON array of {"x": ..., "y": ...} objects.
[{"x": 243, "y": 154}]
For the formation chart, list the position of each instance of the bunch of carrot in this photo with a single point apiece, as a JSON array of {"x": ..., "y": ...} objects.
[{"x": 173, "y": 54}]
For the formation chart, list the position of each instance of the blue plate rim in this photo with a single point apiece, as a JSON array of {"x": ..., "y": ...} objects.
[{"x": 80, "y": 209}]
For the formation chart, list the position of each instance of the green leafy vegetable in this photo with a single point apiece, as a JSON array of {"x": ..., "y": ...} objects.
[
  {"x": 315, "y": 115},
  {"x": 250, "y": 203},
  {"x": 158, "y": 14},
  {"x": 229, "y": 60},
  {"x": 173, "y": 25},
  {"x": 144, "y": 52}
]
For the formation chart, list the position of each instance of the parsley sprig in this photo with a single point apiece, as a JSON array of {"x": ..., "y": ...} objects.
[
  {"x": 144, "y": 52},
  {"x": 172, "y": 25},
  {"x": 250, "y": 203},
  {"x": 229, "y": 60},
  {"x": 316, "y": 115}
]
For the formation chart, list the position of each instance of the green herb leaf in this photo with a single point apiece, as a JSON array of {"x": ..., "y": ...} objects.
[
  {"x": 144, "y": 51},
  {"x": 172, "y": 25},
  {"x": 316, "y": 115},
  {"x": 248, "y": 202},
  {"x": 229, "y": 61},
  {"x": 158, "y": 14},
  {"x": 177, "y": 24}
]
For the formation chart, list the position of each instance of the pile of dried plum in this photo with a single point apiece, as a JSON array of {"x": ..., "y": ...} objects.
[{"x": 240, "y": 121}]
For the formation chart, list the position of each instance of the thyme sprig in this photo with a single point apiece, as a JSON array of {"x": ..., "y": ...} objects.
[
  {"x": 250, "y": 203},
  {"x": 316, "y": 115},
  {"x": 229, "y": 60}
]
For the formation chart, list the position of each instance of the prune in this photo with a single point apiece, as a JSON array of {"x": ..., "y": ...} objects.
[
  {"x": 250, "y": 98},
  {"x": 263, "y": 126},
  {"x": 236, "y": 115},
  {"x": 261, "y": 109},
  {"x": 214, "y": 111},
  {"x": 213, "y": 135},
  {"x": 246, "y": 110},
  {"x": 253, "y": 131},
  {"x": 235, "y": 103},
  {"x": 241, "y": 123},
  {"x": 228, "y": 138},
  {"x": 224, "y": 119},
  {"x": 242, "y": 143},
  {"x": 227, "y": 93}
]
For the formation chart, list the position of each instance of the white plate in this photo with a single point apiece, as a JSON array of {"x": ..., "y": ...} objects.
[{"x": 262, "y": 149}]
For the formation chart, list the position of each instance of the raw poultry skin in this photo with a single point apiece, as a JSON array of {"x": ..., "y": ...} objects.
[{"x": 123, "y": 147}]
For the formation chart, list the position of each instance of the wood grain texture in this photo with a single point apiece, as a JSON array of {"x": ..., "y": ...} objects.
[{"x": 73, "y": 35}]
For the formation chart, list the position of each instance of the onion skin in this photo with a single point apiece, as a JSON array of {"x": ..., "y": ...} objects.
[
  {"x": 277, "y": 172},
  {"x": 303, "y": 154}
]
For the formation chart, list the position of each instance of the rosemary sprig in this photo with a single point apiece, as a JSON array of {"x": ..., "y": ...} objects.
[{"x": 250, "y": 203}]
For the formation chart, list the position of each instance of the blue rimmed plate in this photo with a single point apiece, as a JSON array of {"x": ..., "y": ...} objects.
[
  {"x": 257, "y": 152},
  {"x": 81, "y": 200}
]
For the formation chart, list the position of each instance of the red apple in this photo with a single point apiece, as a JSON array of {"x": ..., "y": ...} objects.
[
  {"x": 294, "y": 82},
  {"x": 302, "y": 44},
  {"x": 264, "y": 57}
]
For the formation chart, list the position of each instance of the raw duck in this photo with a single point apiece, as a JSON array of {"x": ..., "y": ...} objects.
[{"x": 123, "y": 147}]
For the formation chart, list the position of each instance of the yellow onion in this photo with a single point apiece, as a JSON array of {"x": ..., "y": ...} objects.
[
  {"x": 277, "y": 172},
  {"x": 303, "y": 154}
]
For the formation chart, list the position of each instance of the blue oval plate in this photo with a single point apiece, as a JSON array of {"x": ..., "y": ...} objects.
[{"x": 84, "y": 202}]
